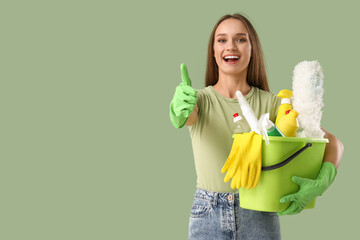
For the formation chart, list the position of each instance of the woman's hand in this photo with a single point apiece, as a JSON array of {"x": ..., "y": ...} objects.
[
  {"x": 309, "y": 189},
  {"x": 184, "y": 100}
]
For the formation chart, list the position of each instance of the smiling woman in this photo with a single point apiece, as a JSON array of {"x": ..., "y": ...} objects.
[
  {"x": 232, "y": 52},
  {"x": 245, "y": 35},
  {"x": 234, "y": 63},
  {"x": 231, "y": 43}
]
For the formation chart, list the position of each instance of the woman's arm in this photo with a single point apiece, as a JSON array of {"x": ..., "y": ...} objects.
[
  {"x": 193, "y": 117},
  {"x": 333, "y": 150}
]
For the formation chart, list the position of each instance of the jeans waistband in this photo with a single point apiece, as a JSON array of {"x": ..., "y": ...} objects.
[{"x": 214, "y": 197}]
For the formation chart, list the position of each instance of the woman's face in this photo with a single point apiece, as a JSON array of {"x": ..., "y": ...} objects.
[{"x": 232, "y": 48}]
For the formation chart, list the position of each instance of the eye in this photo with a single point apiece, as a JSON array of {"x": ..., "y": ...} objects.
[
  {"x": 241, "y": 40},
  {"x": 221, "y": 40}
]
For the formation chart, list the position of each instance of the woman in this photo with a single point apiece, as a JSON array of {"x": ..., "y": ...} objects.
[{"x": 235, "y": 62}]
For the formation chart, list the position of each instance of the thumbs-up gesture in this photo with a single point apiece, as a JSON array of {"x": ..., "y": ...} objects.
[{"x": 184, "y": 100}]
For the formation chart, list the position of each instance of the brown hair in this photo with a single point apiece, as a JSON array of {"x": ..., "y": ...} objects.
[{"x": 256, "y": 73}]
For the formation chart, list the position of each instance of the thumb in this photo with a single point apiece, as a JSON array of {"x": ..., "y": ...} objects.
[
  {"x": 185, "y": 75},
  {"x": 287, "y": 198},
  {"x": 299, "y": 180}
]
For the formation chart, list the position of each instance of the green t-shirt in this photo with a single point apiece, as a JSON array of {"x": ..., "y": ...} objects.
[{"x": 211, "y": 135}]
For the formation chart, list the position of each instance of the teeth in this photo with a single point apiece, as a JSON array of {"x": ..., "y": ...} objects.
[{"x": 227, "y": 57}]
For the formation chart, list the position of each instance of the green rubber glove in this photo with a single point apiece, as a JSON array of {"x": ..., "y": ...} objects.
[
  {"x": 309, "y": 189},
  {"x": 184, "y": 100}
]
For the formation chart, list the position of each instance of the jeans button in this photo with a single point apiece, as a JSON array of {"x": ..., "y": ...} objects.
[{"x": 230, "y": 197}]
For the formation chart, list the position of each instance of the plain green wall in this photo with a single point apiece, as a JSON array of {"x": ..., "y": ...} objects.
[{"x": 87, "y": 148}]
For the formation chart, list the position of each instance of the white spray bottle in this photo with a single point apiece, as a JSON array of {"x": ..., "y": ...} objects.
[{"x": 248, "y": 113}]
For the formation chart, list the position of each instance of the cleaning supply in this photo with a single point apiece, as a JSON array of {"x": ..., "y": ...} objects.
[
  {"x": 303, "y": 157},
  {"x": 244, "y": 162},
  {"x": 237, "y": 124},
  {"x": 309, "y": 189},
  {"x": 285, "y": 96},
  {"x": 268, "y": 128},
  {"x": 288, "y": 123},
  {"x": 248, "y": 112},
  {"x": 184, "y": 100},
  {"x": 308, "y": 98}
]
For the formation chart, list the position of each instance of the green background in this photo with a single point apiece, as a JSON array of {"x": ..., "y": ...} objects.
[{"x": 87, "y": 147}]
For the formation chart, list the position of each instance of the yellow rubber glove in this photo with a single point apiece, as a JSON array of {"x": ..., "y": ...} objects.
[{"x": 244, "y": 162}]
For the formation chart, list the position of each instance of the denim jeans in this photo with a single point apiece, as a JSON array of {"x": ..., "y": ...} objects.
[{"x": 219, "y": 216}]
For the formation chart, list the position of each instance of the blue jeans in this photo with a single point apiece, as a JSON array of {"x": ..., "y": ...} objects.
[{"x": 219, "y": 216}]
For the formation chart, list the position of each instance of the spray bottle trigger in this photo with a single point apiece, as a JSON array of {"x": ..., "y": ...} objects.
[{"x": 262, "y": 125}]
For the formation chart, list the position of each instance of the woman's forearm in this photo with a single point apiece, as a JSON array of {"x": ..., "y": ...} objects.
[{"x": 333, "y": 150}]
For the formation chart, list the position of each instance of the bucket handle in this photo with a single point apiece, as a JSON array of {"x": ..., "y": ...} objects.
[{"x": 286, "y": 161}]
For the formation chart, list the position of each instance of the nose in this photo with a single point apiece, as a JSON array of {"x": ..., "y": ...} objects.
[{"x": 231, "y": 46}]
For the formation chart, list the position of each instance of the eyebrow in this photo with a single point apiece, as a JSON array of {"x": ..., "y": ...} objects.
[{"x": 238, "y": 34}]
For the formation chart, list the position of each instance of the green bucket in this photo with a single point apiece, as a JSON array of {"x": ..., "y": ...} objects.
[{"x": 283, "y": 158}]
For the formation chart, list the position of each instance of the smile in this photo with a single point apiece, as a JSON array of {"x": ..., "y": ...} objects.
[{"x": 231, "y": 59}]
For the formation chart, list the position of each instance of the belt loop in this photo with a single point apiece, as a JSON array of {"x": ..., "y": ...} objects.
[{"x": 215, "y": 200}]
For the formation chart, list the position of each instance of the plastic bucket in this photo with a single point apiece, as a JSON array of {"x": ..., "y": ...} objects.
[{"x": 283, "y": 158}]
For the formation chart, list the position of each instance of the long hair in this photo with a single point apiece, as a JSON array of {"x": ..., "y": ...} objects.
[{"x": 256, "y": 72}]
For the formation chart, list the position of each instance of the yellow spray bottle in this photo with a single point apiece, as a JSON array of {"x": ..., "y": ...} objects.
[
  {"x": 288, "y": 124},
  {"x": 285, "y": 106}
]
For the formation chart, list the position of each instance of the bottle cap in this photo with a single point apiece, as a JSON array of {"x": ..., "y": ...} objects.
[
  {"x": 285, "y": 93},
  {"x": 237, "y": 117},
  {"x": 285, "y": 101}
]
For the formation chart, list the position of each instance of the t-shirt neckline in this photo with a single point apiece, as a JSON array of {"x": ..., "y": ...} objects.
[{"x": 232, "y": 99}]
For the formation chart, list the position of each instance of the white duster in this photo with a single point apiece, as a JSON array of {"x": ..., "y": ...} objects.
[{"x": 307, "y": 98}]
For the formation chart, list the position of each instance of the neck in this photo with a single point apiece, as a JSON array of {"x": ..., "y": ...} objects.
[{"x": 227, "y": 85}]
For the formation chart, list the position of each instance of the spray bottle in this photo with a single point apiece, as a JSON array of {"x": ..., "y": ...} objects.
[
  {"x": 288, "y": 124},
  {"x": 285, "y": 106},
  {"x": 237, "y": 123},
  {"x": 268, "y": 128},
  {"x": 248, "y": 113}
]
